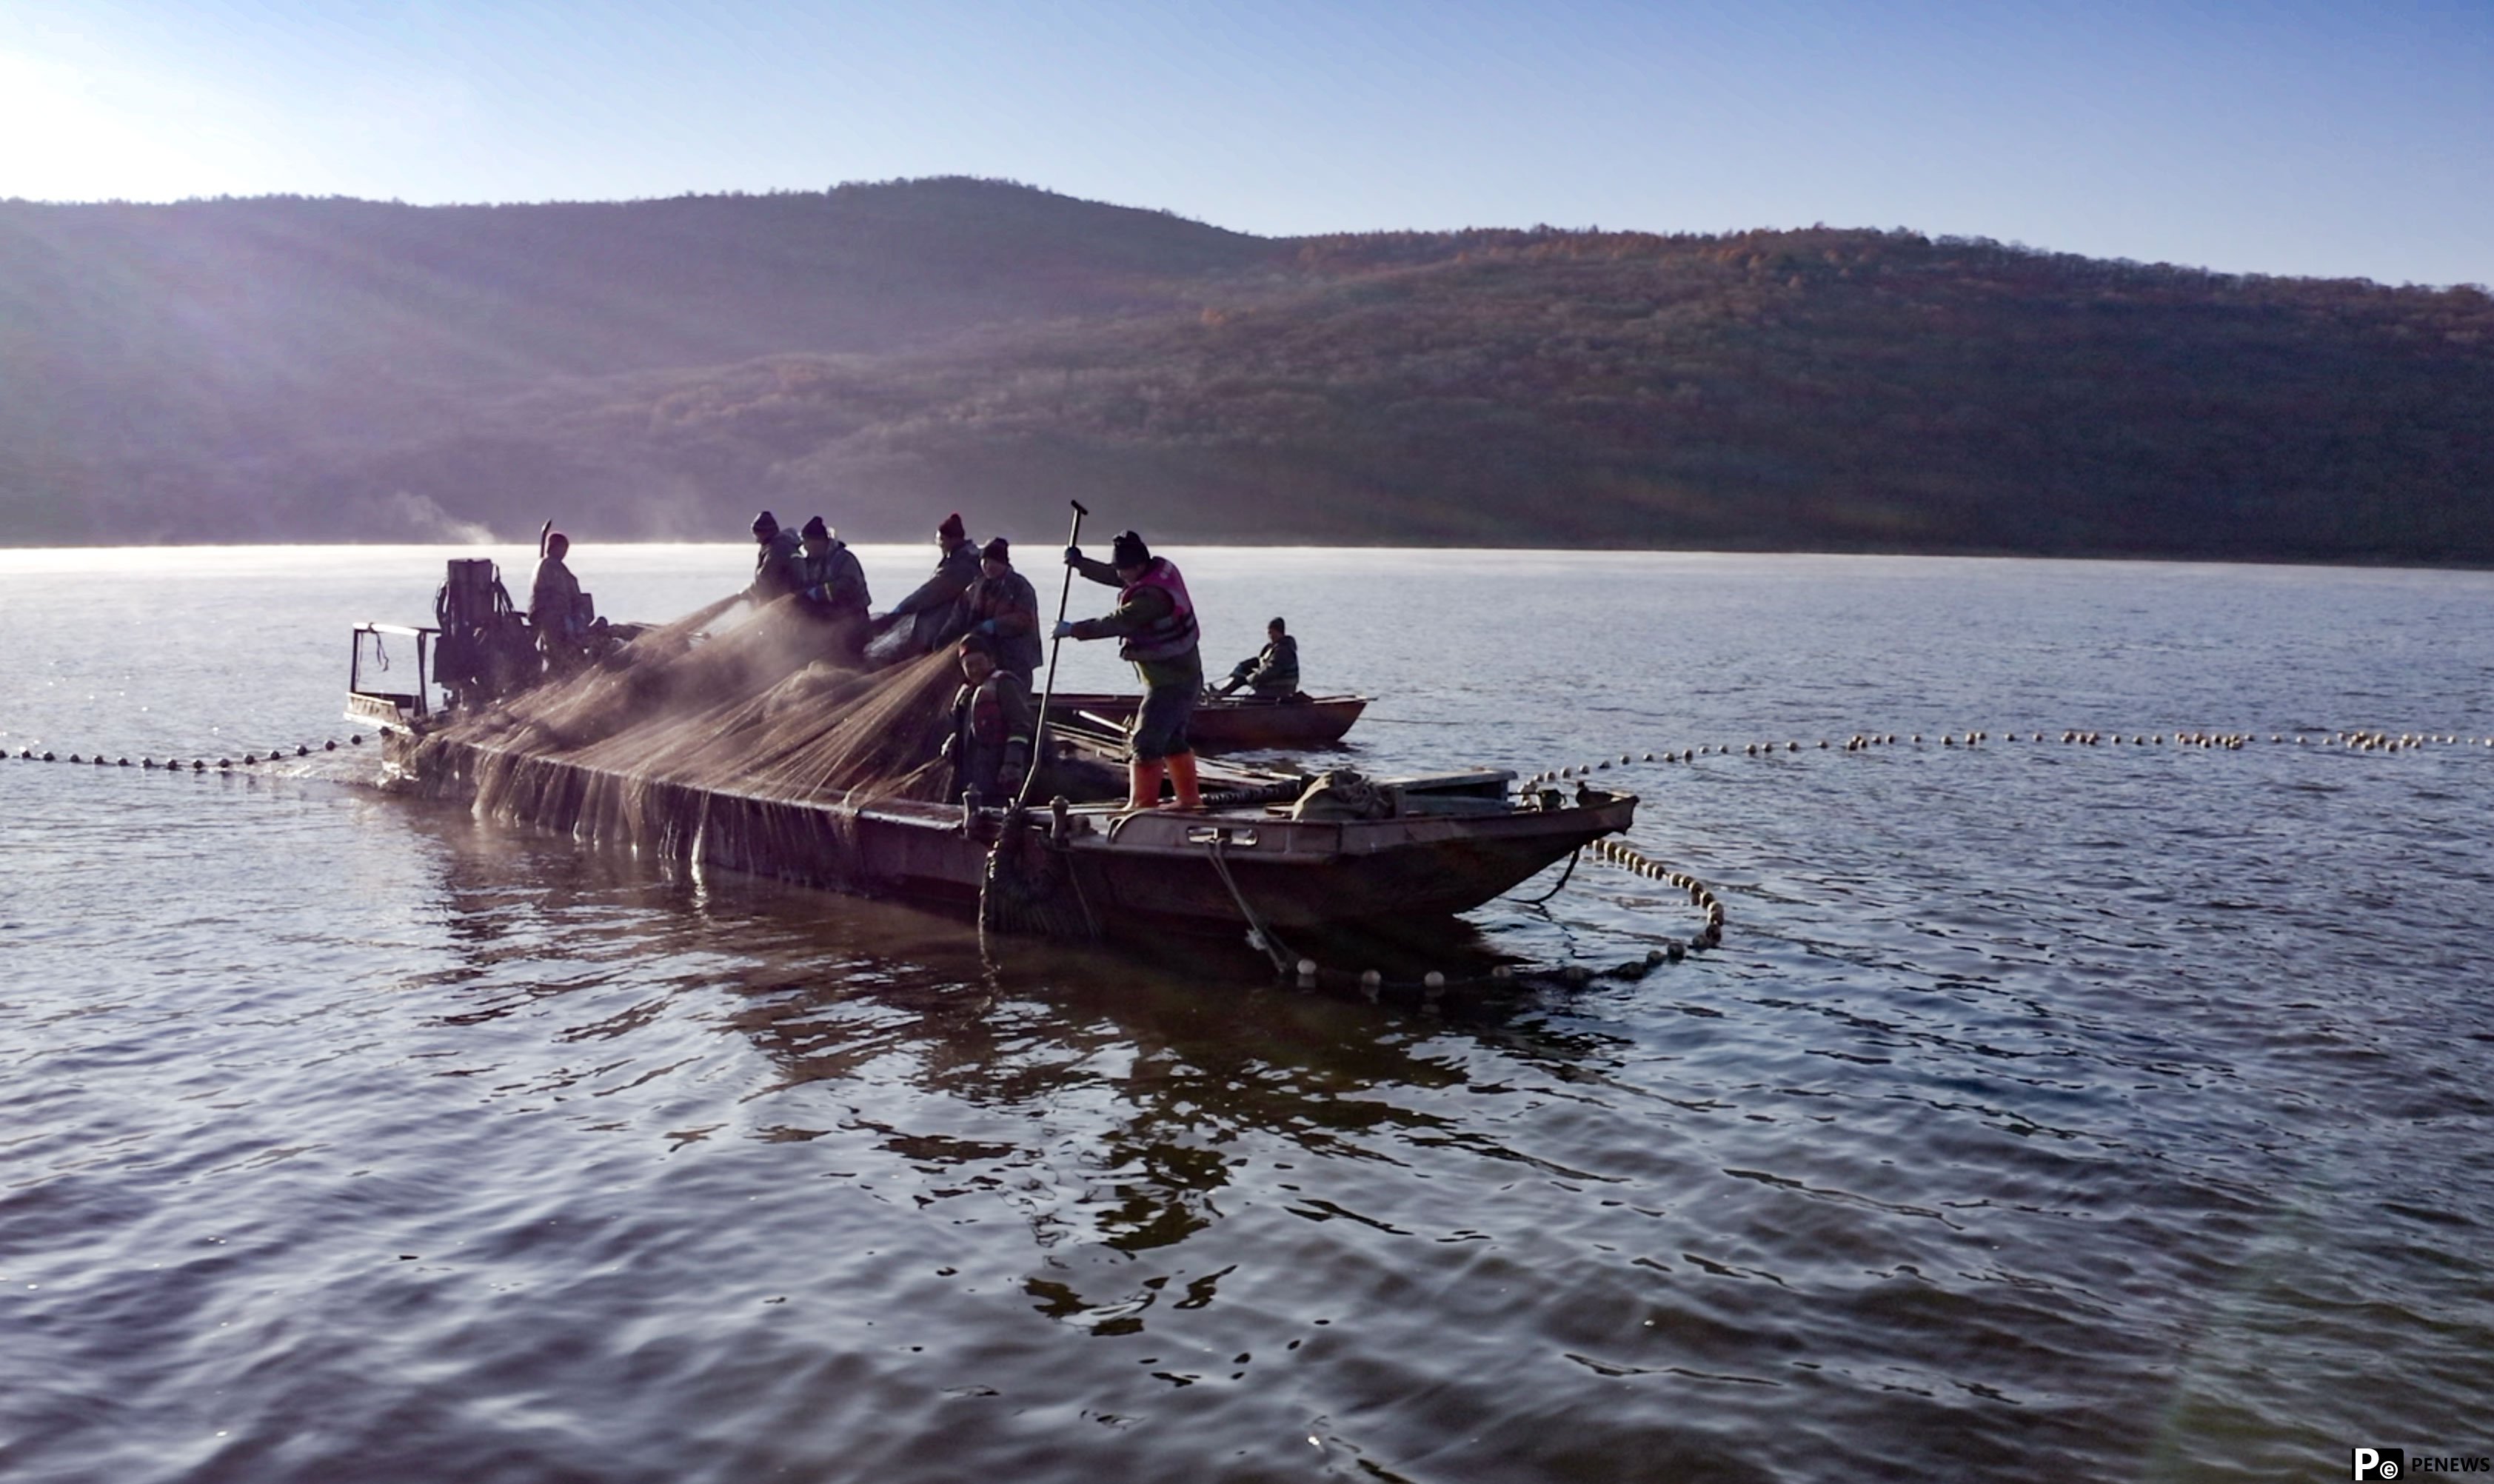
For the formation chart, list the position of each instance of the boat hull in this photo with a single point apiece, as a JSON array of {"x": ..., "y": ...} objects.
[
  {"x": 1233, "y": 726},
  {"x": 1438, "y": 855}
]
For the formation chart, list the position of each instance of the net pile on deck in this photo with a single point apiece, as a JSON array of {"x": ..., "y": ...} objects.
[{"x": 625, "y": 752}]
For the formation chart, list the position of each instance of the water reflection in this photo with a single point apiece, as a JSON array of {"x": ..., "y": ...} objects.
[{"x": 1175, "y": 1059}]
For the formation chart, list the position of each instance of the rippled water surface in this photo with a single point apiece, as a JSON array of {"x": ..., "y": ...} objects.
[{"x": 2051, "y": 1111}]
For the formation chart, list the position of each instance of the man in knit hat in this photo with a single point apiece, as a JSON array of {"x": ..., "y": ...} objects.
[
  {"x": 775, "y": 560},
  {"x": 1003, "y": 606},
  {"x": 932, "y": 608},
  {"x": 989, "y": 744},
  {"x": 1155, "y": 621},
  {"x": 832, "y": 589}
]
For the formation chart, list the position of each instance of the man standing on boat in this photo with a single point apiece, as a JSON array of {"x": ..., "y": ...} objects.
[
  {"x": 992, "y": 723},
  {"x": 1003, "y": 605},
  {"x": 1156, "y": 621},
  {"x": 554, "y": 605},
  {"x": 775, "y": 560},
  {"x": 932, "y": 608},
  {"x": 832, "y": 589},
  {"x": 1273, "y": 675}
]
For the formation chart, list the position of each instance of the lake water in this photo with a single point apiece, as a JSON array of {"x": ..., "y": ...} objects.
[{"x": 2050, "y": 1112}]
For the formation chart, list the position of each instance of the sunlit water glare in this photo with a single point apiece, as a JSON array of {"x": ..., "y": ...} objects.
[{"x": 2051, "y": 1111}]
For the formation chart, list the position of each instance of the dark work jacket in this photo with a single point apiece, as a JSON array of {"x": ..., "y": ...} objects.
[
  {"x": 774, "y": 566},
  {"x": 1275, "y": 669},
  {"x": 1006, "y": 607},
  {"x": 993, "y": 722},
  {"x": 934, "y": 602},
  {"x": 833, "y": 582},
  {"x": 554, "y": 600}
]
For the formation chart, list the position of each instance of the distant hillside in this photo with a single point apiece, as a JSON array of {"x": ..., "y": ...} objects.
[{"x": 285, "y": 369}]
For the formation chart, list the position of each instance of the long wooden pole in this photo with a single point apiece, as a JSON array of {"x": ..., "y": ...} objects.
[{"x": 1048, "y": 692}]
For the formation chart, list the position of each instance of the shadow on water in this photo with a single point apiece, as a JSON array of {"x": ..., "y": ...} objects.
[{"x": 1191, "y": 1039}]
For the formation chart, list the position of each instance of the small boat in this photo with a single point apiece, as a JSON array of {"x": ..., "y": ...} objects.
[{"x": 1234, "y": 723}]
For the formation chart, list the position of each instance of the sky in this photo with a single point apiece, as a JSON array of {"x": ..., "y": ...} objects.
[{"x": 2331, "y": 139}]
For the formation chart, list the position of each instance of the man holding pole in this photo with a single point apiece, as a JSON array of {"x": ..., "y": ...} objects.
[{"x": 1155, "y": 621}]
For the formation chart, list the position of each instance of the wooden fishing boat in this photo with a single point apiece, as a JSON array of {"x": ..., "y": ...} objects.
[
  {"x": 1429, "y": 847},
  {"x": 1282, "y": 849},
  {"x": 1234, "y": 723}
]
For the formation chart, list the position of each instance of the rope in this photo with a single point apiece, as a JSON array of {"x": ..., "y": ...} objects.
[
  {"x": 1573, "y": 857},
  {"x": 1433, "y": 984},
  {"x": 1015, "y": 900},
  {"x": 1258, "y": 933}
]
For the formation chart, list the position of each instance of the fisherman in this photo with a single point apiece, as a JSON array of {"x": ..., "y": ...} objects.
[
  {"x": 554, "y": 605},
  {"x": 1156, "y": 621},
  {"x": 932, "y": 608},
  {"x": 991, "y": 740},
  {"x": 775, "y": 560},
  {"x": 1273, "y": 675},
  {"x": 1003, "y": 606},
  {"x": 831, "y": 590}
]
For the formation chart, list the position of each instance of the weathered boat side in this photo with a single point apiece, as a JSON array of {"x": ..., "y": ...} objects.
[{"x": 1440, "y": 854}]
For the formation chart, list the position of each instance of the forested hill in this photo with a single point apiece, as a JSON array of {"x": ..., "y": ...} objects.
[{"x": 334, "y": 369}]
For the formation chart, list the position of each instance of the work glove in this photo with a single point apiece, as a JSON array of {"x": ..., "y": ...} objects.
[
  {"x": 1074, "y": 555},
  {"x": 1064, "y": 630}
]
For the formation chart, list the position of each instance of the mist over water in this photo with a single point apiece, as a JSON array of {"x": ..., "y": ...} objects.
[{"x": 2051, "y": 1111}]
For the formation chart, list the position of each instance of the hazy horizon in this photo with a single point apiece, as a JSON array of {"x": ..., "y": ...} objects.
[{"x": 2294, "y": 138}]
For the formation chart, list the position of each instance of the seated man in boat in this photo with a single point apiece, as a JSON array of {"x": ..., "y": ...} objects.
[
  {"x": 1156, "y": 621},
  {"x": 1003, "y": 606},
  {"x": 1273, "y": 675},
  {"x": 933, "y": 607},
  {"x": 993, "y": 722},
  {"x": 775, "y": 560},
  {"x": 832, "y": 589},
  {"x": 554, "y": 606}
]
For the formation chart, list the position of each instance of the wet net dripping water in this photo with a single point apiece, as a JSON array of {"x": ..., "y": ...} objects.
[{"x": 628, "y": 751}]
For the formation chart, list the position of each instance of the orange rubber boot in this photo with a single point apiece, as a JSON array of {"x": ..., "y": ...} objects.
[
  {"x": 1143, "y": 783},
  {"x": 1181, "y": 773}
]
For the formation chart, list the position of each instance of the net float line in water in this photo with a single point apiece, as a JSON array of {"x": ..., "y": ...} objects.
[
  {"x": 197, "y": 765},
  {"x": 2357, "y": 740}
]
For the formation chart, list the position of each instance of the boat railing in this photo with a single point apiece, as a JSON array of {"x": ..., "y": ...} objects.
[{"x": 385, "y": 701}]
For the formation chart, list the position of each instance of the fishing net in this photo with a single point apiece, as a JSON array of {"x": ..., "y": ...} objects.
[
  {"x": 765, "y": 706},
  {"x": 718, "y": 737}
]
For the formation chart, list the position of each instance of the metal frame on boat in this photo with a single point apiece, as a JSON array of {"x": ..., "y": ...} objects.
[{"x": 390, "y": 707}]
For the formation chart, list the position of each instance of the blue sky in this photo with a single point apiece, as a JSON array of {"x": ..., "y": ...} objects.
[{"x": 2284, "y": 138}]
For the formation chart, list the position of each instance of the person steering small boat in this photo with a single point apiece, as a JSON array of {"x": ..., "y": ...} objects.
[{"x": 1272, "y": 674}]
